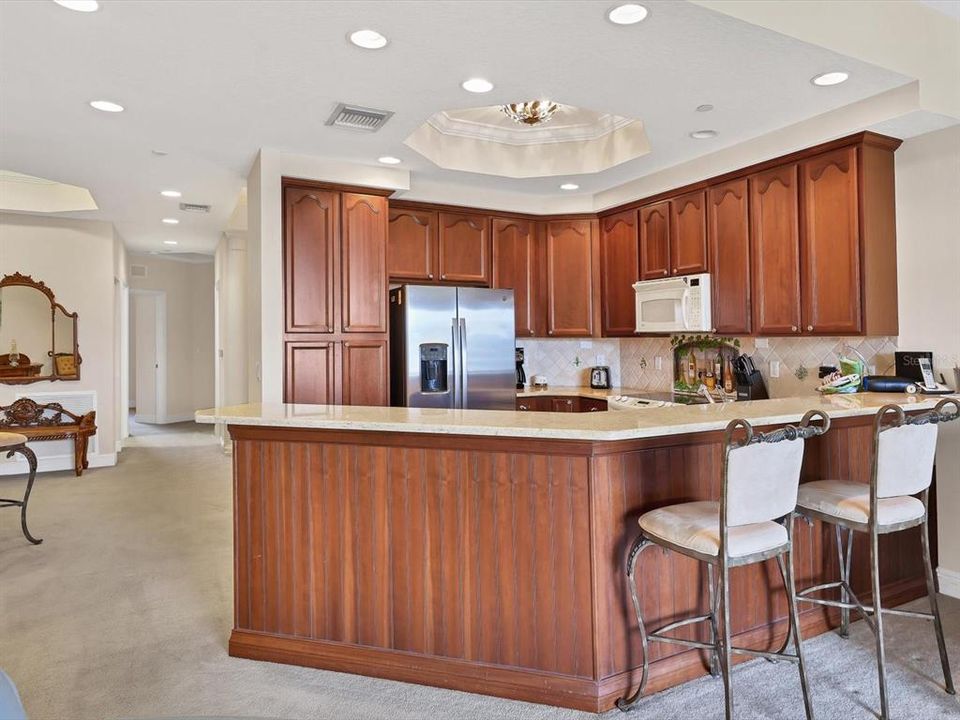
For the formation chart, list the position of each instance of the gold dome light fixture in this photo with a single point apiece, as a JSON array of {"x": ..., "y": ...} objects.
[{"x": 532, "y": 112}]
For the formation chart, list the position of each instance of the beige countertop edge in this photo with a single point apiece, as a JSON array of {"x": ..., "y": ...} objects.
[{"x": 610, "y": 426}]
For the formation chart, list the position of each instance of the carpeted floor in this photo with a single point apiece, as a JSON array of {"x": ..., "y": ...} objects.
[{"x": 125, "y": 609}]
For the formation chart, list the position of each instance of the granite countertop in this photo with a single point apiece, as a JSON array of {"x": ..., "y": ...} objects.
[
  {"x": 586, "y": 392},
  {"x": 613, "y": 425}
]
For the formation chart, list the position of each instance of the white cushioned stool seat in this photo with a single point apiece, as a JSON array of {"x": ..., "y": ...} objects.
[
  {"x": 696, "y": 525},
  {"x": 851, "y": 501}
]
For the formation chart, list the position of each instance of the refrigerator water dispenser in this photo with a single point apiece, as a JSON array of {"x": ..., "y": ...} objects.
[{"x": 433, "y": 367}]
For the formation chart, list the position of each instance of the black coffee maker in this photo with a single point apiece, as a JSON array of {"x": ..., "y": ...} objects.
[
  {"x": 750, "y": 384},
  {"x": 521, "y": 375}
]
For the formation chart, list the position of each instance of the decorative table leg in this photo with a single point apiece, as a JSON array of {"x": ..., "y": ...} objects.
[{"x": 32, "y": 462}]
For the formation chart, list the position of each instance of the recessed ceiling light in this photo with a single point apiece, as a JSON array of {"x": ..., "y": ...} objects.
[
  {"x": 106, "y": 106},
  {"x": 79, "y": 5},
  {"x": 169, "y": 242},
  {"x": 569, "y": 186},
  {"x": 704, "y": 108},
  {"x": 368, "y": 39},
  {"x": 389, "y": 160},
  {"x": 170, "y": 193},
  {"x": 171, "y": 221},
  {"x": 830, "y": 78},
  {"x": 703, "y": 134},
  {"x": 627, "y": 14},
  {"x": 477, "y": 85}
]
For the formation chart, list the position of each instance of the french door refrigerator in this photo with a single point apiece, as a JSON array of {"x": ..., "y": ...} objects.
[{"x": 452, "y": 347}]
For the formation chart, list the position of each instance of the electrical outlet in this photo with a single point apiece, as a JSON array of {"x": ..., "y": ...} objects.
[
  {"x": 586, "y": 344},
  {"x": 761, "y": 343},
  {"x": 601, "y": 359},
  {"x": 774, "y": 368},
  {"x": 658, "y": 362}
]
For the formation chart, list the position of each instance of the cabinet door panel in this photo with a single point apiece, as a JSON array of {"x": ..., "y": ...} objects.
[
  {"x": 655, "y": 241},
  {"x": 729, "y": 233},
  {"x": 830, "y": 243},
  {"x": 514, "y": 266},
  {"x": 688, "y": 234},
  {"x": 464, "y": 242},
  {"x": 364, "y": 263},
  {"x": 775, "y": 251},
  {"x": 311, "y": 226},
  {"x": 365, "y": 374},
  {"x": 619, "y": 270},
  {"x": 569, "y": 278},
  {"x": 310, "y": 372},
  {"x": 412, "y": 245}
]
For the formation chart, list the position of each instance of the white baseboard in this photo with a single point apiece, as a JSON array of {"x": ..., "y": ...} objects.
[
  {"x": 55, "y": 463},
  {"x": 949, "y": 581}
]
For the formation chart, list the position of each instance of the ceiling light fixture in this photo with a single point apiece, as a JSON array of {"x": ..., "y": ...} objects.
[
  {"x": 830, "y": 78},
  {"x": 477, "y": 85},
  {"x": 171, "y": 193},
  {"x": 629, "y": 14},
  {"x": 704, "y": 108},
  {"x": 106, "y": 106},
  {"x": 169, "y": 242},
  {"x": 569, "y": 186},
  {"x": 79, "y": 5},
  {"x": 533, "y": 112},
  {"x": 368, "y": 39},
  {"x": 171, "y": 221},
  {"x": 703, "y": 134},
  {"x": 389, "y": 160}
]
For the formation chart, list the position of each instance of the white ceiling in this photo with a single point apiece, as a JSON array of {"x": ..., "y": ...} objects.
[{"x": 211, "y": 82}]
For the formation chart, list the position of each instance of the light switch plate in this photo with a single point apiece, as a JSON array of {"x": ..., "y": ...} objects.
[
  {"x": 658, "y": 362},
  {"x": 586, "y": 344},
  {"x": 601, "y": 359},
  {"x": 762, "y": 342},
  {"x": 774, "y": 368}
]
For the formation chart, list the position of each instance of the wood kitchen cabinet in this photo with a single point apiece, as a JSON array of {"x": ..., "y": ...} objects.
[
  {"x": 688, "y": 234},
  {"x": 655, "y": 240},
  {"x": 775, "y": 250},
  {"x": 560, "y": 403},
  {"x": 516, "y": 262},
  {"x": 728, "y": 230},
  {"x": 335, "y": 294},
  {"x": 464, "y": 248},
  {"x": 572, "y": 277},
  {"x": 412, "y": 245},
  {"x": 619, "y": 270},
  {"x": 830, "y": 243}
]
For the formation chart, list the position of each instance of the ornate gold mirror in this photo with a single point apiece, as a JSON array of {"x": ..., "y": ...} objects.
[{"x": 38, "y": 337}]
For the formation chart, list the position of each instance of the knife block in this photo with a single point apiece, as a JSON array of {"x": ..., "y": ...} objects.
[{"x": 751, "y": 387}]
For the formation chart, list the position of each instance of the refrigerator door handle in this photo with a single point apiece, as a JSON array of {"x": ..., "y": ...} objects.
[
  {"x": 455, "y": 362},
  {"x": 464, "y": 374}
]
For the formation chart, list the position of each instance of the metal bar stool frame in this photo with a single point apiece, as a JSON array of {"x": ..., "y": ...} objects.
[
  {"x": 31, "y": 458},
  {"x": 848, "y": 599},
  {"x": 721, "y": 646}
]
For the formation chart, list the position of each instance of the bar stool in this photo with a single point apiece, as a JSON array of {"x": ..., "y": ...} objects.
[
  {"x": 751, "y": 523},
  {"x": 903, "y": 455},
  {"x": 12, "y": 443}
]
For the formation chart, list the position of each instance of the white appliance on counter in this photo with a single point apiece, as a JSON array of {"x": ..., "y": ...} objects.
[
  {"x": 634, "y": 402},
  {"x": 677, "y": 304}
]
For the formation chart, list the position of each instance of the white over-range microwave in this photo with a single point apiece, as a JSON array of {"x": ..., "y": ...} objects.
[{"x": 677, "y": 304}]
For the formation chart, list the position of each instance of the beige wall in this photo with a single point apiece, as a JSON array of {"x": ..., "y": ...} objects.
[
  {"x": 76, "y": 259},
  {"x": 190, "y": 331},
  {"x": 928, "y": 260}
]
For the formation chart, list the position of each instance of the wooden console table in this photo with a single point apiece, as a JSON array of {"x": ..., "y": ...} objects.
[{"x": 50, "y": 422}]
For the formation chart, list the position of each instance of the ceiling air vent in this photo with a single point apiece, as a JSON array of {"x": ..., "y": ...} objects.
[
  {"x": 354, "y": 117},
  {"x": 138, "y": 271},
  {"x": 194, "y": 207}
]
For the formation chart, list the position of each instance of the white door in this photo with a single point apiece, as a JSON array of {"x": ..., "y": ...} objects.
[{"x": 147, "y": 361}]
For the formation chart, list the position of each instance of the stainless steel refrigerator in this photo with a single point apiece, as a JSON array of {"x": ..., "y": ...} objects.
[{"x": 452, "y": 347}]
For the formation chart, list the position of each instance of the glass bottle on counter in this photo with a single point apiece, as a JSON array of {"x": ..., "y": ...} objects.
[
  {"x": 728, "y": 376},
  {"x": 718, "y": 366},
  {"x": 692, "y": 369}
]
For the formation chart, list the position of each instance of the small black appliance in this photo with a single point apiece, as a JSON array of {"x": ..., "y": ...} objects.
[
  {"x": 600, "y": 377},
  {"x": 521, "y": 374}
]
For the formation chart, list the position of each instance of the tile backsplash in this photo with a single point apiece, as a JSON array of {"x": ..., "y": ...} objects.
[{"x": 633, "y": 361}]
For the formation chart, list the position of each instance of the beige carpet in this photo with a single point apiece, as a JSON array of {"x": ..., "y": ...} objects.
[{"x": 125, "y": 609}]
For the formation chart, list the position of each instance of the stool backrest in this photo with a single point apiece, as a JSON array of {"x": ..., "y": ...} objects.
[
  {"x": 905, "y": 447},
  {"x": 762, "y": 470}
]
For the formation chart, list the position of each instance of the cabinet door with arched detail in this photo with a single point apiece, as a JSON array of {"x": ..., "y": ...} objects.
[
  {"x": 464, "y": 242},
  {"x": 311, "y": 229},
  {"x": 364, "y": 264}
]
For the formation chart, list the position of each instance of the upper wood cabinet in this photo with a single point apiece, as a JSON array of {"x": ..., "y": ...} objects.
[
  {"x": 728, "y": 229},
  {"x": 464, "y": 248},
  {"x": 655, "y": 240},
  {"x": 830, "y": 243},
  {"x": 619, "y": 270},
  {"x": 688, "y": 234},
  {"x": 571, "y": 262},
  {"x": 515, "y": 265},
  {"x": 364, "y": 263},
  {"x": 775, "y": 251},
  {"x": 412, "y": 245},
  {"x": 311, "y": 226}
]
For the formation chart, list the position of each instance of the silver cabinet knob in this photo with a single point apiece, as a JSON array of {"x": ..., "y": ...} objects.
[
  {"x": 594, "y": 409},
  {"x": 675, "y": 271},
  {"x": 665, "y": 272},
  {"x": 809, "y": 328},
  {"x": 794, "y": 328},
  {"x": 524, "y": 407},
  {"x": 430, "y": 276},
  {"x": 443, "y": 276}
]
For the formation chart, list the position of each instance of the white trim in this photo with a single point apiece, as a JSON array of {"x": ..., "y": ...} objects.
[
  {"x": 949, "y": 582},
  {"x": 53, "y": 463}
]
